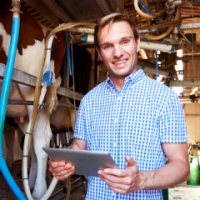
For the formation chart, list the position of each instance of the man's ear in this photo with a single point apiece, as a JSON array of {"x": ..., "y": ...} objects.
[
  {"x": 138, "y": 44},
  {"x": 99, "y": 54}
]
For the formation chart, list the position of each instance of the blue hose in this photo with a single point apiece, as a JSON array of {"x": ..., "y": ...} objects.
[
  {"x": 147, "y": 10},
  {"x": 68, "y": 55},
  {"x": 3, "y": 105}
]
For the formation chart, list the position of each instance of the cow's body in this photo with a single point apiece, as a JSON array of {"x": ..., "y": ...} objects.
[{"x": 28, "y": 59}]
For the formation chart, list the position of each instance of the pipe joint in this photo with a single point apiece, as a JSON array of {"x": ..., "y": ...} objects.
[
  {"x": 170, "y": 11},
  {"x": 16, "y": 7},
  {"x": 178, "y": 2},
  {"x": 170, "y": 6},
  {"x": 169, "y": 3}
]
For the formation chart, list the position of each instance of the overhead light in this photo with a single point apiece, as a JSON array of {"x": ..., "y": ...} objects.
[
  {"x": 180, "y": 77},
  {"x": 179, "y": 53},
  {"x": 194, "y": 90},
  {"x": 158, "y": 52},
  {"x": 179, "y": 65},
  {"x": 178, "y": 90}
]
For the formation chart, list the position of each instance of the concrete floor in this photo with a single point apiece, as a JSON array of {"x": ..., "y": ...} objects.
[{"x": 77, "y": 192}]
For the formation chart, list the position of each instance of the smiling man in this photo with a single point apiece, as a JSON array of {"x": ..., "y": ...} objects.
[{"x": 139, "y": 121}]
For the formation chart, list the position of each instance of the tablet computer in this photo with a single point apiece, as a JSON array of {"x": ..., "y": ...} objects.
[{"x": 86, "y": 162}]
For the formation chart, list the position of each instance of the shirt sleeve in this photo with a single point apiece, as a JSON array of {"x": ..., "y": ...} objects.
[
  {"x": 172, "y": 121},
  {"x": 80, "y": 127}
]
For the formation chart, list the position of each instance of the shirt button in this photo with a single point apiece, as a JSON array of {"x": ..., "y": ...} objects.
[
  {"x": 119, "y": 98},
  {"x": 113, "y": 193},
  {"x": 116, "y": 120},
  {"x": 115, "y": 144}
]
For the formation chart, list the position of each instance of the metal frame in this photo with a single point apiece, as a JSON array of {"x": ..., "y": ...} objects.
[{"x": 29, "y": 80}]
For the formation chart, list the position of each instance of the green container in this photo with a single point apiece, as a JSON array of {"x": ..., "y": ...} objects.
[
  {"x": 194, "y": 171},
  {"x": 165, "y": 194}
]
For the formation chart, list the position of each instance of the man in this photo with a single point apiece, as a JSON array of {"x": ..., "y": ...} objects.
[{"x": 139, "y": 121}]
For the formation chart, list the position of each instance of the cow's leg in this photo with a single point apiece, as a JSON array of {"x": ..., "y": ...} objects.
[
  {"x": 9, "y": 140},
  {"x": 33, "y": 169},
  {"x": 41, "y": 138},
  {"x": 20, "y": 137}
]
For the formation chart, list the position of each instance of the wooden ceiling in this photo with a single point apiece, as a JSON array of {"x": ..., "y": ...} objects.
[{"x": 51, "y": 13}]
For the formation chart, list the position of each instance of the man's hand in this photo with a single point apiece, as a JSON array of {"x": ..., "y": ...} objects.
[
  {"x": 60, "y": 170},
  {"x": 122, "y": 180}
]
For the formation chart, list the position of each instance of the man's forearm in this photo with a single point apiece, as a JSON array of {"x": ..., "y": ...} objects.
[
  {"x": 79, "y": 144},
  {"x": 167, "y": 176}
]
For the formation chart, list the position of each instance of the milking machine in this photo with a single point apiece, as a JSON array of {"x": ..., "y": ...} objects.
[
  {"x": 4, "y": 95},
  {"x": 45, "y": 78}
]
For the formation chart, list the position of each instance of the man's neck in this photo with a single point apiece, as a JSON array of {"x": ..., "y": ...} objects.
[{"x": 118, "y": 83}]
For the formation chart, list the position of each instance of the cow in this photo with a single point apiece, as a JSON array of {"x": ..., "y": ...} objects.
[
  {"x": 29, "y": 54},
  {"x": 28, "y": 59}
]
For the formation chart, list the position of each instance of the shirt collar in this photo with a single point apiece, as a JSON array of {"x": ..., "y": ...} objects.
[{"x": 131, "y": 79}]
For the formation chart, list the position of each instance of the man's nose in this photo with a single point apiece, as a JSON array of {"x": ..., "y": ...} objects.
[{"x": 117, "y": 51}]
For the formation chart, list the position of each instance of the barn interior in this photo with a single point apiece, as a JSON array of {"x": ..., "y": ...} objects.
[{"x": 169, "y": 53}]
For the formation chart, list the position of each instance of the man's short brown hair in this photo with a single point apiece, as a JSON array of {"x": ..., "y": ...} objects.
[{"x": 109, "y": 19}]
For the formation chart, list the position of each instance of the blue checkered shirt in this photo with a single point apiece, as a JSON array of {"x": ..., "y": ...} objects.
[{"x": 134, "y": 122}]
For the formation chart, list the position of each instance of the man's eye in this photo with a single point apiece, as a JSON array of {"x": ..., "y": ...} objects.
[
  {"x": 107, "y": 47},
  {"x": 125, "y": 42}
]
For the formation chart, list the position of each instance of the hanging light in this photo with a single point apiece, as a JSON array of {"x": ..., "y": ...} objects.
[{"x": 179, "y": 53}]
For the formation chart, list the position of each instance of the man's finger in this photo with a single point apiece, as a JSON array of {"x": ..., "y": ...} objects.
[
  {"x": 130, "y": 161},
  {"x": 115, "y": 172},
  {"x": 116, "y": 186},
  {"x": 111, "y": 178},
  {"x": 50, "y": 158},
  {"x": 63, "y": 176}
]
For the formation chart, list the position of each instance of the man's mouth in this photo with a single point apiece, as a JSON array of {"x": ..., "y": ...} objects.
[{"x": 119, "y": 63}]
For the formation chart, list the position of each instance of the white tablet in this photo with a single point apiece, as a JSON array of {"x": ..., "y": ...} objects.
[{"x": 86, "y": 162}]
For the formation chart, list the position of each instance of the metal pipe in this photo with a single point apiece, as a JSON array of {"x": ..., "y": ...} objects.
[
  {"x": 184, "y": 84},
  {"x": 156, "y": 46},
  {"x": 178, "y": 2},
  {"x": 155, "y": 28},
  {"x": 4, "y": 96},
  {"x": 189, "y": 101},
  {"x": 23, "y": 102},
  {"x": 147, "y": 10},
  {"x": 149, "y": 16},
  {"x": 83, "y": 30},
  {"x": 152, "y": 70},
  {"x": 68, "y": 54},
  {"x": 143, "y": 54},
  {"x": 170, "y": 9},
  {"x": 147, "y": 5},
  {"x": 151, "y": 45},
  {"x": 168, "y": 31}
]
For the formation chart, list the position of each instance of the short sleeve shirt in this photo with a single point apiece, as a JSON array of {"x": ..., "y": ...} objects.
[{"x": 134, "y": 122}]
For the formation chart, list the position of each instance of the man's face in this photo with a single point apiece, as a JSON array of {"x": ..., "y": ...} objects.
[{"x": 118, "y": 49}]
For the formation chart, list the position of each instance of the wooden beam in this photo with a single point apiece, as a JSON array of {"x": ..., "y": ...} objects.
[
  {"x": 190, "y": 20},
  {"x": 104, "y": 6},
  {"x": 58, "y": 10},
  {"x": 192, "y": 115},
  {"x": 29, "y": 80},
  {"x": 43, "y": 10}
]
